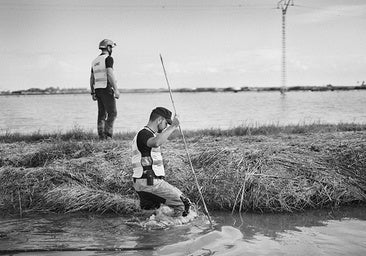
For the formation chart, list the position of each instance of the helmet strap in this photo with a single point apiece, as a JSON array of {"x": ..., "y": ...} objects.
[{"x": 109, "y": 49}]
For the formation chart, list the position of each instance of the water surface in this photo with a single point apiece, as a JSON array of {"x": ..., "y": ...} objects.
[
  {"x": 316, "y": 232},
  {"x": 30, "y": 113}
]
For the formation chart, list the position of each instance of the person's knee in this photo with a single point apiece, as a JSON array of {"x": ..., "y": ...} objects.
[
  {"x": 101, "y": 116},
  {"x": 149, "y": 201},
  {"x": 112, "y": 115},
  {"x": 148, "y": 205}
]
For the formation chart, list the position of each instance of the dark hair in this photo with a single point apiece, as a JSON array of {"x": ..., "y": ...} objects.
[
  {"x": 154, "y": 116},
  {"x": 163, "y": 112}
]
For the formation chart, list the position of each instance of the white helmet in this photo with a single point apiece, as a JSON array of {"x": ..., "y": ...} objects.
[{"x": 105, "y": 42}]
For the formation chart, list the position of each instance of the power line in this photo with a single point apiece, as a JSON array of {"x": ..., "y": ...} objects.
[
  {"x": 132, "y": 6},
  {"x": 309, "y": 7},
  {"x": 208, "y": 7}
]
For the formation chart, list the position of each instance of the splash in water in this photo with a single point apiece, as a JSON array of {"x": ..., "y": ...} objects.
[{"x": 163, "y": 218}]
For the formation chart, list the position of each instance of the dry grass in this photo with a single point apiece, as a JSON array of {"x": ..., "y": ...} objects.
[
  {"x": 278, "y": 173},
  {"x": 284, "y": 174},
  {"x": 83, "y": 198},
  {"x": 30, "y": 182}
]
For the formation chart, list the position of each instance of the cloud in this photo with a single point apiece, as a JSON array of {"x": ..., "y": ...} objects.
[
  {"x": 67, "y": 66},
  {"x": 236, "y": 62},
  {"x": 298, "y": 64},
  {"x": 50, "y": 62},
  {"x": 44, "y": 61},
  {"x": 331, "y": 13}
]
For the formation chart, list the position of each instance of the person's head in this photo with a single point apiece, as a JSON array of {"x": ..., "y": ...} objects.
[
  {"x": 107, "y": 45},
  {"x": 161, "y": 117}
]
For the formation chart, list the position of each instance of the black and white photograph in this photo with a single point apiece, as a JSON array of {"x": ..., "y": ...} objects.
[{"x": 182, "y": 127}]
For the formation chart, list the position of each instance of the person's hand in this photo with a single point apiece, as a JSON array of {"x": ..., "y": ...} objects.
[
  {"x": 116, "y": 94},
  {"x": 94, "y": 97},
  {"x": 175, "y": 121}
]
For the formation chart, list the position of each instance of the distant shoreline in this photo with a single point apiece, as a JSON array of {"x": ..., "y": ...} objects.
[{"x": 53, "y": 91}]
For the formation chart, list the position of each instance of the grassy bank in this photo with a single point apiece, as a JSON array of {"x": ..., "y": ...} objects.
[
  {"x": 267, "y": 168},
  {"x": 248, "y": 130}
]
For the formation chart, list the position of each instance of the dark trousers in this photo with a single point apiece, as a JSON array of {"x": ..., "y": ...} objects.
[{"x": 107, "y": 112}]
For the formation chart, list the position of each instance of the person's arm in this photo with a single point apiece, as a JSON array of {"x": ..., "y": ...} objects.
[
  {"x": 162, "y": 137},
  {"x": 110, "y": 75},
  {"x": 112, "y": 81},
  {"x": 92, "y": 82}
]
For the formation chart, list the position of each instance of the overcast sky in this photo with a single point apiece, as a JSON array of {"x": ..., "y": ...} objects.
[{"x": 204, "y": 43}]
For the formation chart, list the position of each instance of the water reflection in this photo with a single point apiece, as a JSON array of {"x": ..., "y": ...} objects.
[
  {"x": 318, "y": 232},
  {"x": 272, "y": 225},
  {"x": 224, "y": 240},
  {"x": 87, "y": 232}
]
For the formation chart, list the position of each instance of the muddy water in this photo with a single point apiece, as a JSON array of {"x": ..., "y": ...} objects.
[{"x": 318, "y": 232}]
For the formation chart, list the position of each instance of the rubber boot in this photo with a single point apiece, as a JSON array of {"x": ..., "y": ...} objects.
[
  {"x": 187, "y": 204},
  {"x": 108, "y": 128},
  {"x": 100, "y": 127}
]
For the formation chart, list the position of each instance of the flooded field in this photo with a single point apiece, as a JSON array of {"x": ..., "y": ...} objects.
[{"x": 43, "y": 113}]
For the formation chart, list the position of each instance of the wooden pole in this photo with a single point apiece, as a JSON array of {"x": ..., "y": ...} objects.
[{"x": 185, "y": 145}]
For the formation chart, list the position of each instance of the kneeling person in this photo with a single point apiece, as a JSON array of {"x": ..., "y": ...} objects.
[{"x": 148, "y": 169}]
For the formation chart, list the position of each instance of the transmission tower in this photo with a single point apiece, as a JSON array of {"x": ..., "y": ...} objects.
[{"x": 283, "y": 5}]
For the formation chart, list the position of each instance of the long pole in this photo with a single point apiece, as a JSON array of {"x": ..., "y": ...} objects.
[{"x": 185, "y": 145}]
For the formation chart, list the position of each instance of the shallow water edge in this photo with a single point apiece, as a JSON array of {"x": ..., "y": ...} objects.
[{"x": 328, "y": 232}]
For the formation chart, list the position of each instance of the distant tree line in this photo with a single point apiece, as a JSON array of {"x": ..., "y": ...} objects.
[{"x": 57, "y": 90}]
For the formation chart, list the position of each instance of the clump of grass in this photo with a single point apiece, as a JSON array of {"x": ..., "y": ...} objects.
[
  {"x": 81, "y": 198},
  {"x": 349, "y": 159},
  {"x": 49, "y": 152},
  {"x": 55, "y": 189},
  {"x": 24, "y": 188}
]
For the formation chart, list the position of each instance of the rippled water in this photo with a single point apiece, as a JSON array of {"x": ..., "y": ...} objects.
[
  {"x": 196, "y": 110},
  {"x": 316, "y": 232}
]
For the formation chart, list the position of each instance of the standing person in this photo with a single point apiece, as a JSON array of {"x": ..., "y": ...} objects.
[
  {"x": 148, "y": 169},
  {"x": 104, "y": 89}
]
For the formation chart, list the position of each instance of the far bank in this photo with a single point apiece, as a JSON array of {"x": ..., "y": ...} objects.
[{"x": 53, "y": 90}]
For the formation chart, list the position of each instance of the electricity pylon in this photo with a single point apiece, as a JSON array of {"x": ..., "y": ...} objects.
[{"x": 283, "y": 5}]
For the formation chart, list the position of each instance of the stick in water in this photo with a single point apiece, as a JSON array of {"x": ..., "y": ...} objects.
[{"x": 185, "y": 144}]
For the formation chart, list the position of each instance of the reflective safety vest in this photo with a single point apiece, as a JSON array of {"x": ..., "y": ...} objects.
[
  {"x": 100, "y": 72},
  {"x": 139, "y": 163}
]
